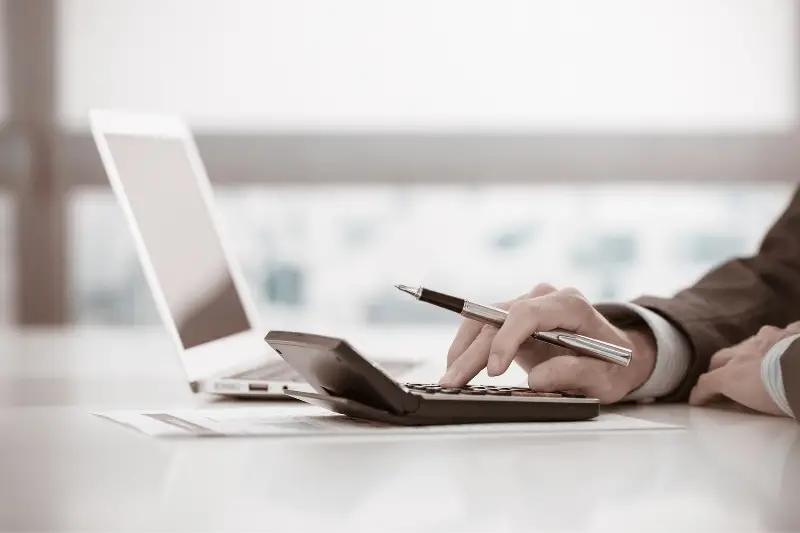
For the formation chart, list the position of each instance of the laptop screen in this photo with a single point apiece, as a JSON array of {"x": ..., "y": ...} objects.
[{"x": 180, "y": 237}]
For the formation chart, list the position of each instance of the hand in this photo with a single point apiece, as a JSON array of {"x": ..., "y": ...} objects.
[
  {"x": 735, "y": 372},
  {"x": 550, "y": 368}
]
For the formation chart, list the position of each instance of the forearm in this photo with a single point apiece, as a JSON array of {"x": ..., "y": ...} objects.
[{"x": 733, "y": 301}]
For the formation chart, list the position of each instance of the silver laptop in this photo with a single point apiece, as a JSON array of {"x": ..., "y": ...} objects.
[{"x": 199, "y": 289}]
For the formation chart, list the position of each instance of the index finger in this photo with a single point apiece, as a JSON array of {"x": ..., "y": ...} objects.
[
  {"x": 562, "y": 309},
  {"x": 467, "y": 333},
  {"x": 726, "y": 355},
  {"x": 470, "y": 328},
  {"x": 709, "y": 386}
]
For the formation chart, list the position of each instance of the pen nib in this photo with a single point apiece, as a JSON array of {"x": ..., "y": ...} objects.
[{"x": 409, "y": 290}]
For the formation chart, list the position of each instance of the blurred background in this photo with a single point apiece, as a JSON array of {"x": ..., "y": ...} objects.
[{"x": 474, "y": 146}]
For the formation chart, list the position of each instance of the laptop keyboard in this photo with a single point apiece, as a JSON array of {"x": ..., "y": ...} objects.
[{"x": 281, "y": 371}]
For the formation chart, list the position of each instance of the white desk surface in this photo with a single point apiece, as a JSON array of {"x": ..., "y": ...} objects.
[{"x": 65, "y": 470}]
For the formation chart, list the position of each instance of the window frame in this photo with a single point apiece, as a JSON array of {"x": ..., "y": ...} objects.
[{"x": 248, "y": 158}]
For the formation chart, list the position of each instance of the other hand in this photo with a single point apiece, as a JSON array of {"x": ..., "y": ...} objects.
[
  {"x": 550, "y": 368},
  {"x": 735, "y": 372}
]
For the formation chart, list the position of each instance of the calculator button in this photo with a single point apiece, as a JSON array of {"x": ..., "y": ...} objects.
[
  {"x": 473, "y": 391},
  {"x": 537, "y": 394},
  {"x": 497, "y": 392},
  {"x": 450, "y": 390},
  {"x": 525, "y": 393}
]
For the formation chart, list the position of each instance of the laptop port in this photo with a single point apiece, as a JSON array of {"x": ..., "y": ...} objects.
[{"x": 260, "y": 387}]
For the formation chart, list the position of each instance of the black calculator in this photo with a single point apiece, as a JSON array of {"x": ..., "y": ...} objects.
[{"x": 349, "y": 384}]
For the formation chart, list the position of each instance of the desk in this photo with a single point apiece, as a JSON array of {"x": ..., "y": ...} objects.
[{"x": 65, "y": 470}]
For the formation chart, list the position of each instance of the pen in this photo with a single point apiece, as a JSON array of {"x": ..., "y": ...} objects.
[{"x": 492, "y": 315}]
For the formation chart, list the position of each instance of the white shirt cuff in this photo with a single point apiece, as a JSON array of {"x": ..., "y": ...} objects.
[
  {"x": 772, "y": 376},
  {"x": 673, "y": 354}
]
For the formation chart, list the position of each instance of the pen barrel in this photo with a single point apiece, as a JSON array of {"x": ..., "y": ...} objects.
[
  {"x": 580, "y": 344},
  {"x": 586, "y": 346},
  {"x": 484, "y": 313}
]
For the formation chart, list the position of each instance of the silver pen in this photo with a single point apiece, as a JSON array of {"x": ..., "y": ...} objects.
[{"x": 492, "y": 315}]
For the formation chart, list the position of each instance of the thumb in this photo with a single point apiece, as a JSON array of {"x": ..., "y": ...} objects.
[
  {"x": 560, "y": 373},
  {"x": 587, "y": 375}
]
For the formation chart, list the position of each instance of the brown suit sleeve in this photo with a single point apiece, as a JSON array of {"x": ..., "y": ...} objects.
[{"x": 732, "y": 301}]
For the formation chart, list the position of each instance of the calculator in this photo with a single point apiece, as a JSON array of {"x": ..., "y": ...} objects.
[{"x": 347, "y": 383}]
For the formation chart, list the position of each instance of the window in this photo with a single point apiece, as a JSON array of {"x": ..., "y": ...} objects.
[
  {"x": 7, "y": 254},
  {"x": 566, "y": 93},
  {"x": 545, "y": 65},
  {"x": 107, "y": 280},
  {"x": 329, "y": 255}
]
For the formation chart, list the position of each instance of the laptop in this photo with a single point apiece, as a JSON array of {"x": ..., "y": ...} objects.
[{"x": 199, "y": 289}]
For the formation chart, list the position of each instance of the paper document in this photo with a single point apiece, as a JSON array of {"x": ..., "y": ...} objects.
[{"x": 312, "y": 421}]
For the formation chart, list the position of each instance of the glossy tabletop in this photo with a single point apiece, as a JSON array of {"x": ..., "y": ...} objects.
[{"x": 66, "y": 470}]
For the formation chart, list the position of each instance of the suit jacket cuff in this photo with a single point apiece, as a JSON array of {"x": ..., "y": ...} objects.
[
  {"x": 772, "y": 375},
  {"x": 673, "y": 352},
  {"x": 704, "y": 340}
]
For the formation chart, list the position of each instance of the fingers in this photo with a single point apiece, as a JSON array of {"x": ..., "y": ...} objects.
[
  {"x": 466, "y": 334},
  {"x": 539, "y": 290},
  {"x": 566, "y": 309},
  {"x": 709, "y": 386},
  {"x": 472, "y": 361},
  {"x": 768, "y": 336},
  {"x": 735, "y": 372},
  {"x": 768, "y": 332},
  {"x": 740, "y": 381},
  {"x": 469, "y": 328},
  {"x": 759, "y": 344},
  {"x": 722, "y": 358},
  {"x": 756, "y": 346}
]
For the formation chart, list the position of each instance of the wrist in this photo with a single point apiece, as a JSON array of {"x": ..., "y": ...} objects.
[
  {"x": 643, "y": 358},
  {"x": 661, "y": 352}
]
